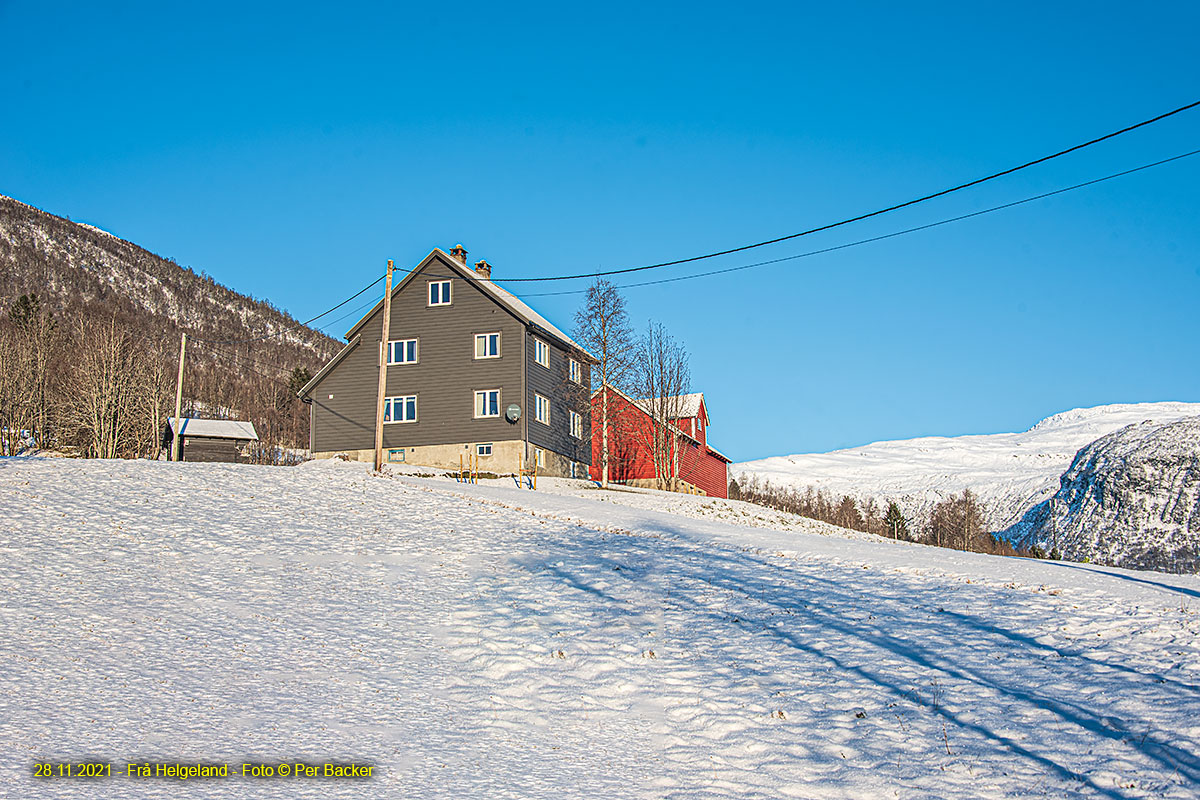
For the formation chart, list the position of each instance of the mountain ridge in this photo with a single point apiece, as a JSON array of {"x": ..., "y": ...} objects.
[
  {"x": 1011, "y": 472},
  {"x": 73, "y": 266}
]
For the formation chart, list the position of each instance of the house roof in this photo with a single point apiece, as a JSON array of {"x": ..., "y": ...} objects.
[
  {"x": 515, "y": 305},
  {"x": 215, "y": 428}
]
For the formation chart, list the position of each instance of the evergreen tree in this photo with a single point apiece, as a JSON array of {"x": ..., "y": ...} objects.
[
  {"x": 847, "y": 514},
  {"x": 895, "y": 521},
  {"x": 298, "y": 380}
]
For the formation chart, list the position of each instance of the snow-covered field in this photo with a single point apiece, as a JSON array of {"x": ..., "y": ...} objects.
[
  {"x": 487, "y": 641},
  {"x": 1011, "y": 472}
]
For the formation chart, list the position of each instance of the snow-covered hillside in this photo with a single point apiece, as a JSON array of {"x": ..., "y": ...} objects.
[
  {"x": 486, "y": 641},
  {"x": 70, "y": 266},
  {"x": 1130, "y": 498},
  {"x": 1011, "y": 472}
]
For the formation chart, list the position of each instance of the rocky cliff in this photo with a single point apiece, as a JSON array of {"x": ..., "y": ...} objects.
[{"x": 1129, "y": 499}]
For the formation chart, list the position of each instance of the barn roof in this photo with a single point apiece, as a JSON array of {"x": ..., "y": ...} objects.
[
  {"x": 216, "y": 428},
  {"x": 719, "y": 454},
  {"x": 689, "y": 404}
]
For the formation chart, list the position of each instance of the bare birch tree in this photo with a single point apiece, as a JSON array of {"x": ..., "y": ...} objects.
[
  {"x": 663, "y": 376},
  {"x": 15, "y": 411},
  {"x": 103, "y": 390},
  {"x": 602, "y": 327}
]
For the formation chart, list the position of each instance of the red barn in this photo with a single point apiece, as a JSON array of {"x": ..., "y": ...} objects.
[{"x": 702, "y": 469}]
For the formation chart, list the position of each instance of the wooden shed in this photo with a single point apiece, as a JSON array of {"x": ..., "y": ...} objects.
[{"x": 210, "y": 439}]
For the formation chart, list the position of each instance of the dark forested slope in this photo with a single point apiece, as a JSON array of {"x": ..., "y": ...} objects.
[{"x": 102, "y": 338}]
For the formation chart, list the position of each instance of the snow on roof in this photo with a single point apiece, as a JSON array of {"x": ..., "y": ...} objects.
[
  {"x": 216, "y": 428},
  {"x": 522, "y": 310},
  {"x": 689, "y": 404}
]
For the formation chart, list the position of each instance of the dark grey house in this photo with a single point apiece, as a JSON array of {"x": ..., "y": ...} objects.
[{"x": 471, "y": 371}]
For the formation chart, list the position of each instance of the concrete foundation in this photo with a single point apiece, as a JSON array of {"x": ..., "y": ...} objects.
[{"x": 506, "y": 458}]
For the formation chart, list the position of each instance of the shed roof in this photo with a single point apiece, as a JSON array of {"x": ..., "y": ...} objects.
[{"x": 215, "y": 428}]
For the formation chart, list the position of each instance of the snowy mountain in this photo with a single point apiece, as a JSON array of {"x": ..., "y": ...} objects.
[
  {"x": 1130, "y": 498},
  {"x": 1011, "y": 472},
  {"x": 75, "y": 267}
]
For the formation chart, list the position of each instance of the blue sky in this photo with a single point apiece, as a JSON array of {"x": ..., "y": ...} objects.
[{"x": 289, "y": 150}]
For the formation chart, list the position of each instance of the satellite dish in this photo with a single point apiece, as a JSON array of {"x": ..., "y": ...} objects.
[{"x": 512, "y": 413}]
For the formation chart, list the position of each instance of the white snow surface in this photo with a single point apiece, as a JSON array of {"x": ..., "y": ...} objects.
[
  {"x": 1011, "y": 472},
  {"x": 488, "y": 641}
]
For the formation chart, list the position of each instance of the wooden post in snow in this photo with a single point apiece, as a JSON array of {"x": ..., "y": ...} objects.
[
  {"x": 383, "y": 357},
  {"x": 178, "y": 401}
]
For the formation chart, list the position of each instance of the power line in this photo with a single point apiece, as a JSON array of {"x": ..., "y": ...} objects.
[
  {"x": 307, "y": 322},
  {"x": 871, "y": 214},
  {"x": 886, "y": 235},
  {"x": 351, "y": 313},
  {"x": 246, "y": 361},
  {"x": 829, "y": 226}
]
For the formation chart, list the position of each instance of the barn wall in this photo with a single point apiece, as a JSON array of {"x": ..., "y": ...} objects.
[{"x": 630, "y": 459}]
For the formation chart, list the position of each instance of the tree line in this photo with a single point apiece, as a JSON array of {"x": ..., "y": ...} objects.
[
  {"x": 102, "y": 385},
  {"x": 956, "y": 522}
]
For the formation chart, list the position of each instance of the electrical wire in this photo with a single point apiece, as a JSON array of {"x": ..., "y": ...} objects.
[
  {"x": 893, "y": 235},
  {"x": 871, "y": 214},
  {"x": 295, "y": 326},
  {"x": 246, "y": 361},
  {"x": 776, "y": 240},
  {"x": 350, "y": 313}
]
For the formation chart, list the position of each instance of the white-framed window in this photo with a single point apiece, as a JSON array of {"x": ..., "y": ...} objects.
[
  {"x": 541, "y": 409},
  {"x": 400, "y": 409},
  {"x": 576, "y": 425},
  {"x": 487, "y": 345},
  {"x": 402, "y": 351},
  {"x": 576, "y": 372},
  {"x": 439, "y": 293},
  {"x": 541, "y": 352},
  {"x": 487, "y": 403},
  {"x": 539, "y": 457},
  {"x": 484, "y": 449}
]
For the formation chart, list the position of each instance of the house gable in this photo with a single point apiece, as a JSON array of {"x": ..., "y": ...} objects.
[
  {"x": 443, "y": 378},
  {"x": 438, "y": 264},
  {"x": 471, "y": 350}
]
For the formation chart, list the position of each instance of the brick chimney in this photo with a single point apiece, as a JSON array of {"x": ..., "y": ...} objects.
[
  {"x": 459, "y": 252},
  {"x": 484, "y": 269}
]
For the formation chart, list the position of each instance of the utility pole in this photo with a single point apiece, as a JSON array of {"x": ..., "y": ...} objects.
[
  {"x": 383, "y": 354},
  {"x": 178, "y": 401}
]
